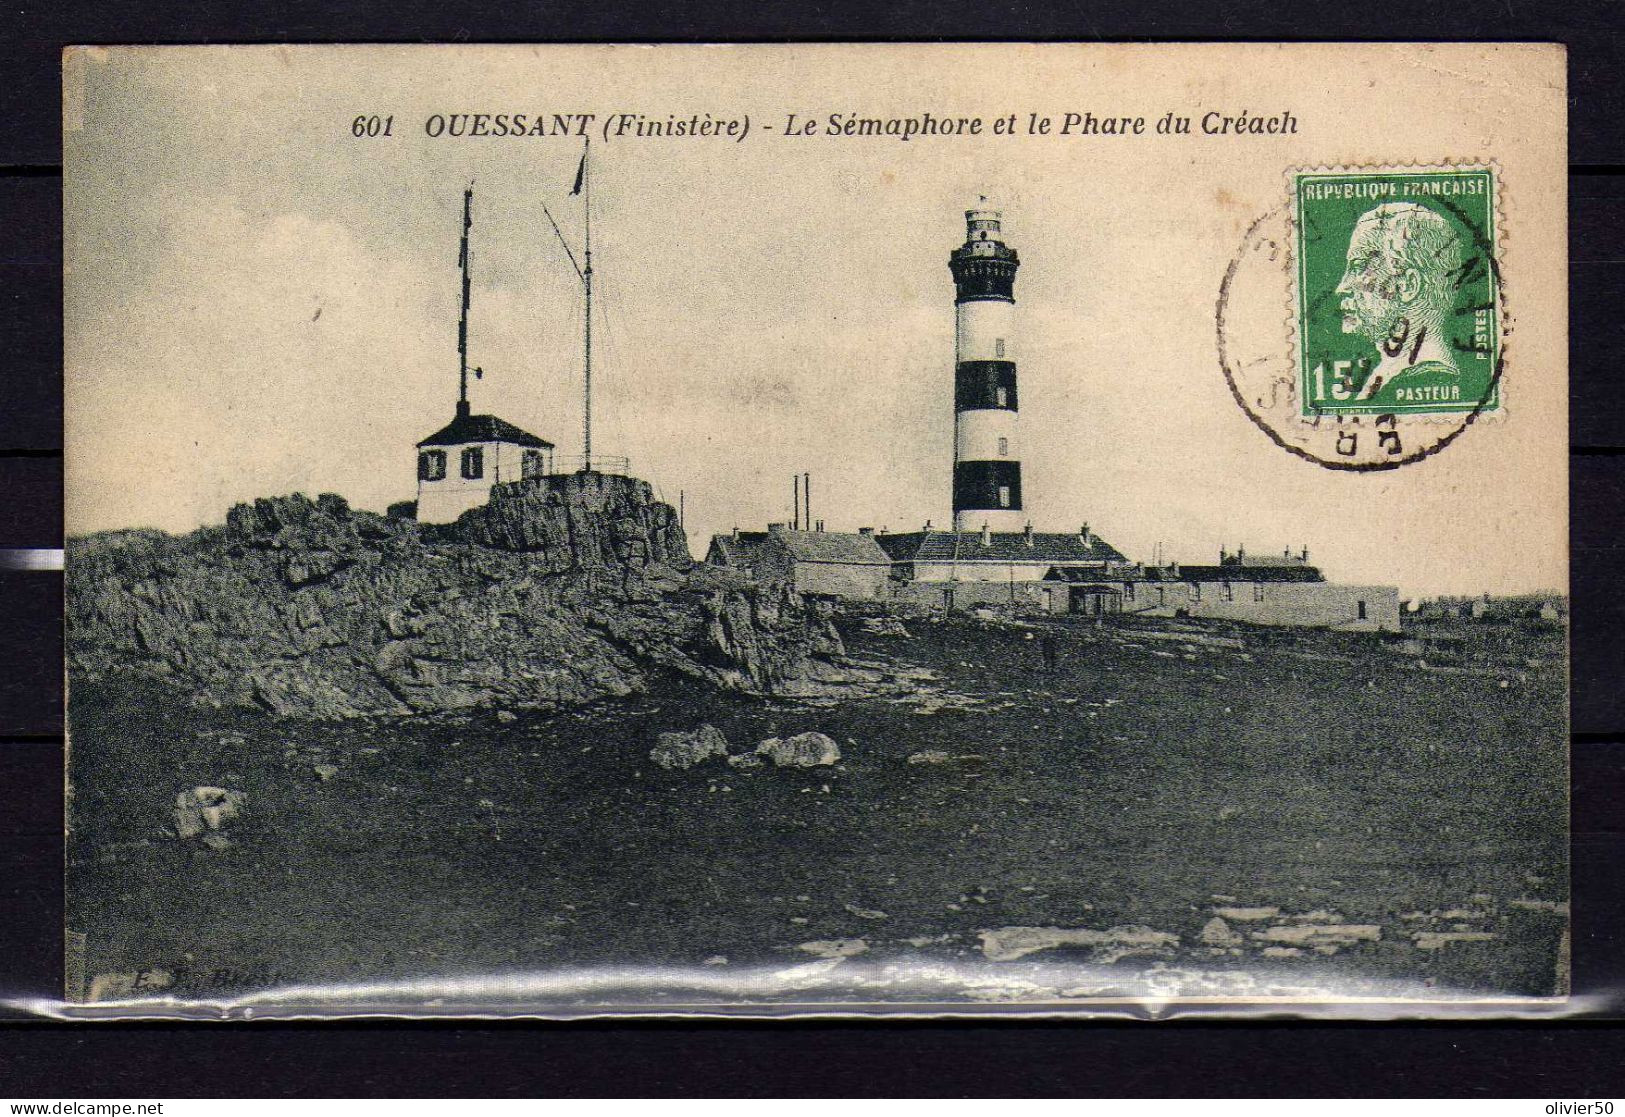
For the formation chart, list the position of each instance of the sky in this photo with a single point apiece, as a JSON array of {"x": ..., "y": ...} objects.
[{"x": 259, "y": 302}]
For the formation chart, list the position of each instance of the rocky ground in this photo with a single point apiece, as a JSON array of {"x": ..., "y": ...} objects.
[
  {"x": 561, "y": 591},
  {"x": 1177, "y": 809}
]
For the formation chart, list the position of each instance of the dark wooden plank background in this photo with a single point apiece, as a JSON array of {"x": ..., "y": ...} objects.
[{"x": 803, "y": 1058}]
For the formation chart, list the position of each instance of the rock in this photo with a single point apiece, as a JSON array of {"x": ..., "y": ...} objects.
[
  {"x": 1009, "y": 943},
  {"x": 884, "y": 626},
  {"x": 745, "y": 760},
  {"x": 1216, "y": 932},
  {"x": 1321, "y": 934},
  {"x": 937, "y": 756},
  {"x": 866, "y": 913},
  {"x": 1438, "y": 940},
  {"x": 804, "y": 750},
  {"x": 1246, "y": 915},
  {"x": 835, "y": 948},
  {"x": 203, "y": 809},
  {"x": 684, "y": 750},
  {"x": 559, "y": 592},
  {"x": 325, "y": 772},
  {"x": 507, "y": 717}
]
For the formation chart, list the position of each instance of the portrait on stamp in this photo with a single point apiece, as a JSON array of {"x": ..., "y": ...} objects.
[{"x": 1397, "y": 298}]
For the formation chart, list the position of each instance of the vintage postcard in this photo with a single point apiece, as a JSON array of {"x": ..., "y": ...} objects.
[{"x": 843, "y": 528}]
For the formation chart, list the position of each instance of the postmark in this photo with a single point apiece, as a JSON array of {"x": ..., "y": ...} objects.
[{"x": 1362, "y": 322}]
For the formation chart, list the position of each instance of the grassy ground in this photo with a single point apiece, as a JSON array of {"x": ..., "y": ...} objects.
[{"x": 1146, "y": 782}]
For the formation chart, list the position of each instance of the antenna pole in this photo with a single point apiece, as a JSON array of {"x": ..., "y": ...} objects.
[
  {"x": 586, "y": 278},
  {"x": 462, "y": 321}
]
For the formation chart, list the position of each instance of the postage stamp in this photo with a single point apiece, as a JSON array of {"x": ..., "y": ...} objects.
[{"x": 1397, "y": 298}]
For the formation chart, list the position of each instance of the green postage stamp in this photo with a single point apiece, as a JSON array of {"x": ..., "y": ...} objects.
[{"x": 1398, "y": 306}]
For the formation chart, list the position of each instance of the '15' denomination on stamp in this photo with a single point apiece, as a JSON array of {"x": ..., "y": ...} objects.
[{"x": 1397, "y": 299}]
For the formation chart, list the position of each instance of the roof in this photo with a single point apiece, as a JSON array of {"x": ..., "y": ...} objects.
[
  {"x": 833, "y": 546},
  {"x": 738, "y": 548},
  {"x": 1074, "y": 574},
  {"x": 482, "y": 428},
  {"x": 1004, "y": 546},
  {"x": 1233, "y": 573}
]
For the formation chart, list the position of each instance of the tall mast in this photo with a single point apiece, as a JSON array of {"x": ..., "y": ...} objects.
[
  {"x": 586, "y": 278},
  {"x": 462, "y": 321}
]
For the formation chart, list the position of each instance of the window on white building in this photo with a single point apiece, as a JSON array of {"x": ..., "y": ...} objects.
[
  {"x": 473, "y": 463},
  {"x": 1258, "y": 591},
  {"x": 432, "y": 465},
  {"x": 533, "y": 465},
  {"x": 1004, "y": 447},
  {"x": 998, "y": 348},
  {"x": 1228, "y": 592},
  {"x": 1361, "y": 609}
]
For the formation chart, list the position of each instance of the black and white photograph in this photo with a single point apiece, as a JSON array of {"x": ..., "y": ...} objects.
[{"x": 816, "y": 528}]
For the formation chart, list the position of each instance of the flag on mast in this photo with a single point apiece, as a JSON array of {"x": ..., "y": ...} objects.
[{"x": 581, "y": 175}]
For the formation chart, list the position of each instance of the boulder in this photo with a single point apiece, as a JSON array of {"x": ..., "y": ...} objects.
[
  {"x": 684, "y": 750},
  {"x": 804, "y": 750},
  {"x": 203, "y": 809}
]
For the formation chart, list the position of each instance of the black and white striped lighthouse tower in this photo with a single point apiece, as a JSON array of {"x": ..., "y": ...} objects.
[{"x": 987, "y": 463}]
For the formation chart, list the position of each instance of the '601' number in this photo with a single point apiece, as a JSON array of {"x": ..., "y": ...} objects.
[{"x": 369, "y": 127}]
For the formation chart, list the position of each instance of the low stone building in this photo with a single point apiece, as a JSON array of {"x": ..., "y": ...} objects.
[
  {"x": 828, "y": 563},
  {"x": 1268, "y": 590},
  {"x": 962, "y": 569},
  {"x": 1048, "y": 572}
]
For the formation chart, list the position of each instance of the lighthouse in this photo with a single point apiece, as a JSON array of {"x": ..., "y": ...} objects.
[{"x": 987, "y": 460}]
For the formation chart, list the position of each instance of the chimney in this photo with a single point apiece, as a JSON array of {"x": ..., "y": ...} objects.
[
  {"x": 1027, "y": 535},
  {"x": 736, "y": 533},
  {"x": 795, "y": 500},
  {"x": 927, "y": 525},
  {"x": 775, "y": 529},
  {"x": 1086, "y": 535},
  {"x": 1306, "y": 552},
  {"x": 866, "y": 531},
  {"x": 987, "y": 536}
]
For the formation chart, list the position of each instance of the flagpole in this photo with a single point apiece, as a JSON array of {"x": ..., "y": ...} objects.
[
  {"x": 462, "y": 321},
  {"x": 586, "y": 276}
]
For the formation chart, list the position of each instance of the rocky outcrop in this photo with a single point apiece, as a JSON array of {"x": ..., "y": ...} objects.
[
  {"x": 560, "y": 591},
  {"x": 684, "y": 750},
  {"x": 804, "y": 750}
]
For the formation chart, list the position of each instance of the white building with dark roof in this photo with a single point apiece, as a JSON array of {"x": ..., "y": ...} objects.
[{"x": 458, "y": 464}]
